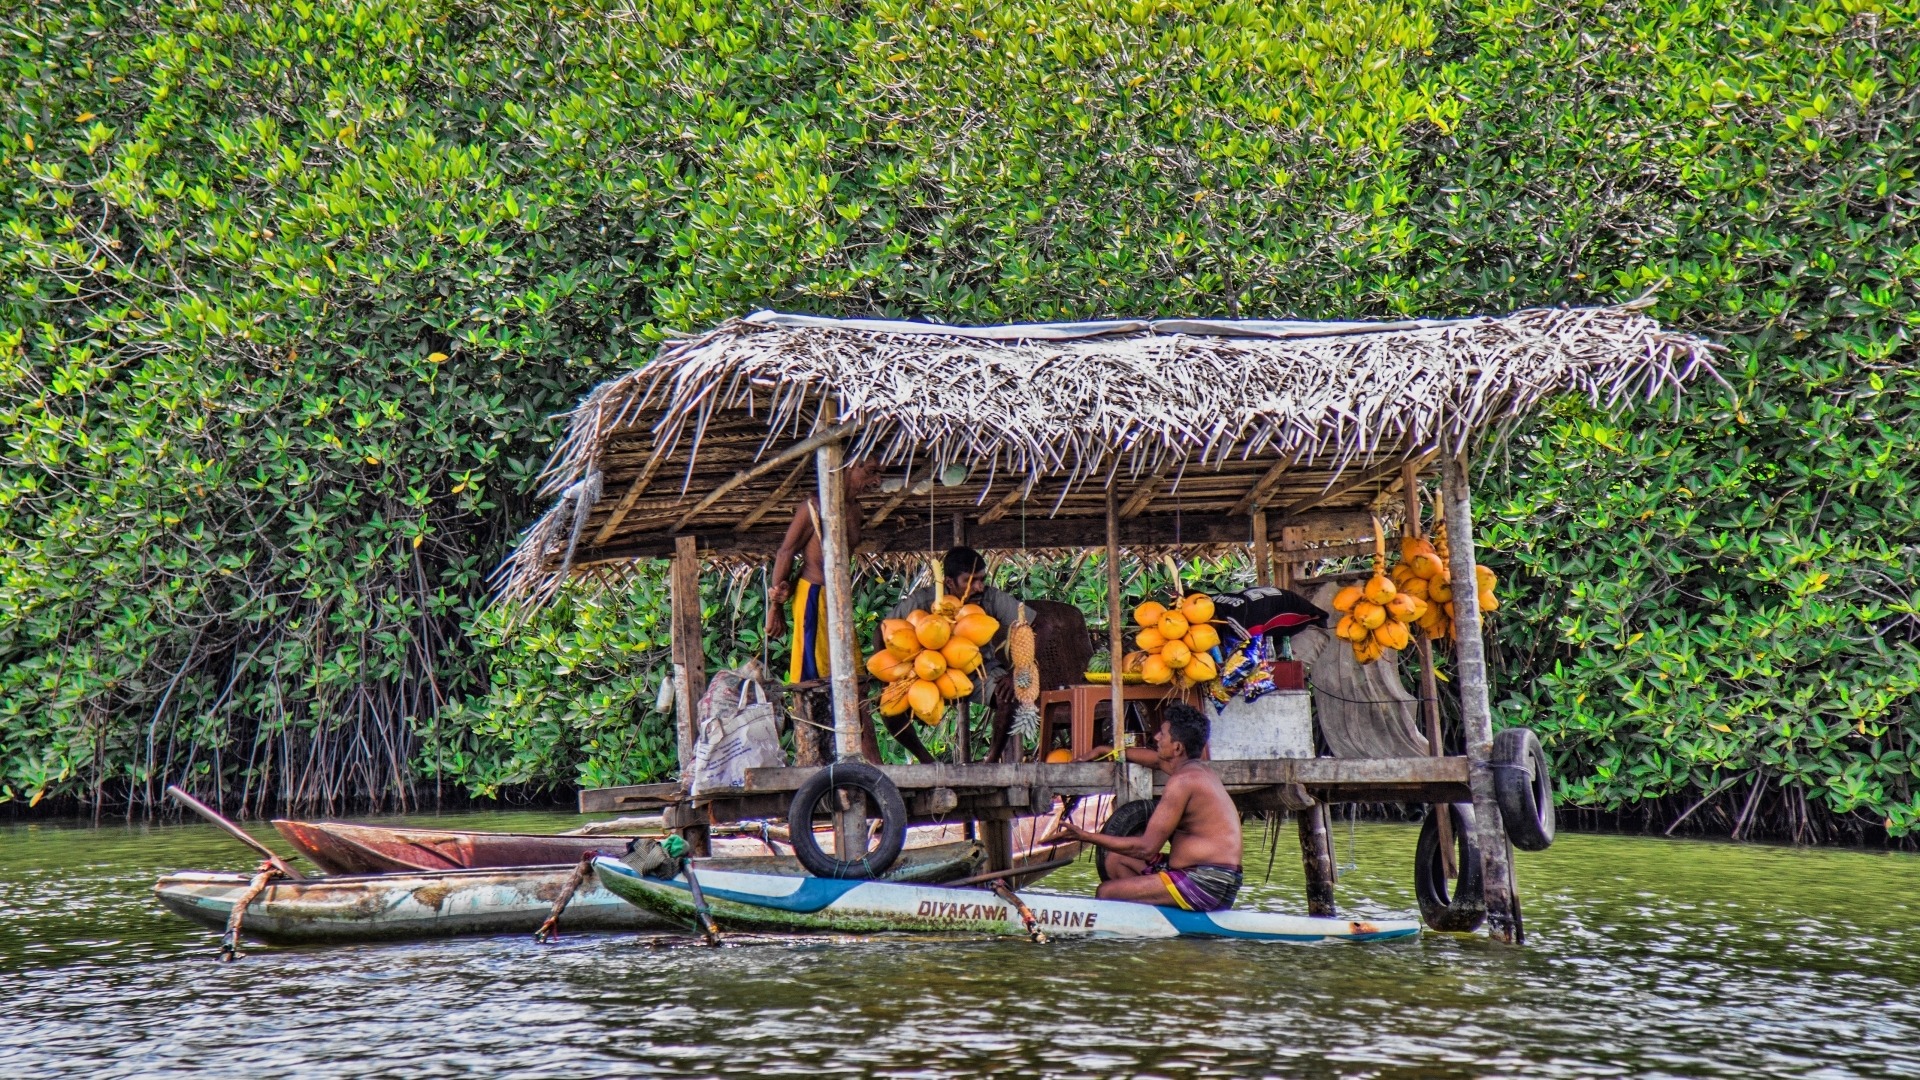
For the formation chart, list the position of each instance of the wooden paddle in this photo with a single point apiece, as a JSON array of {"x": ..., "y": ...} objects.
[{"x": 213, "y": 817}]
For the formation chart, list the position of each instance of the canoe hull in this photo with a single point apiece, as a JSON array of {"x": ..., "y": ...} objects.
[
  {"x": 776, "y": 904},
  {"x": 399, "y": 906},
  {"x": 343, "y": 848},
  {"x": 446, "y": 903}
]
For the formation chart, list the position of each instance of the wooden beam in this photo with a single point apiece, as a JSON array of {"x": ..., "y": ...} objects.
[
  {"x": 1353, "y": 480},
  {"x": 634, "y": 491},
  {"x": 1147, "y": 530},
  {"x": 791, "y": 453},
  {"x": 1000, "y": 509},
  {"x": 1143, "y": 494},
  {"x": 1349, "y": 773},
  {"x": 631, "y": 797},
  {"x": 1262, "y": 489},
  {"x": 1476, "y": 712},
  {"x": 895, "y": 500},
  {"x": 779, "y": 495}
]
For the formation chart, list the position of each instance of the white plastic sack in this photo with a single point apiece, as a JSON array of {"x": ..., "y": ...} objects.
[{"x": 737, "y": 732}]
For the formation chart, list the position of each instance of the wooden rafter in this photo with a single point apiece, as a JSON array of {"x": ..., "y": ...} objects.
[
  {"x": 799, "y": 449},
  {"x": 1262, "y": 489},
  {"x": 634, "y": 491},
  {"x": 1000, "y": 509},
  {"x": 1143, "y": 494},
  {"x": 779, "y": 496},
  {"x": 1354, "y": 480},
  {"x": 899, "y": 498}
]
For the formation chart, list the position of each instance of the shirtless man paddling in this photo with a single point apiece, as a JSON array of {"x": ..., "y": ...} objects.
[{"x": 1201, "y": 871}]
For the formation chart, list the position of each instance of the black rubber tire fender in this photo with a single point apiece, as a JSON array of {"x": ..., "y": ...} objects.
[
  {"x": 1129, "y": 820},
  {"x": 881, "y": 795},
  {"x": 1463, "y": 906},
  {"x": 1523, "y": 786}
]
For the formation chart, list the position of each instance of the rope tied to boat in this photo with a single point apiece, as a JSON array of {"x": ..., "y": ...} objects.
[
  {"x": 262, "y": 877},
  {"x": 549, "y": 931}
]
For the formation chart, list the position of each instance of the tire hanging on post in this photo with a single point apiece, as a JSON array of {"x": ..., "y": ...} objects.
[
  {"x": 1457, "y": 906},
  {"x": 880, "y": 793},
  {"x": 1524, "y": 788}
]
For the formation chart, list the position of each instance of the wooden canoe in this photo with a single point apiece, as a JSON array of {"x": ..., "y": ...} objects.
[
  {"x": 343, "y": 848},
  {"x": 786, "y": 904},
  {"x": 449, "y": 902}
]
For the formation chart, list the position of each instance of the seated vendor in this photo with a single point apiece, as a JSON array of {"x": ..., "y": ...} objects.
[
  {"x": 1201, "y": 871},
  {"x": 965, "y": 574}
]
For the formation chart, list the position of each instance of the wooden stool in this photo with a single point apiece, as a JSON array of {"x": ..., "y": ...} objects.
[{"x": 1082, "y": 700}]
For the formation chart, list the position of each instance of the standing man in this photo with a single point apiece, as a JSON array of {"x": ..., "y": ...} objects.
[
  {"x": 1201, "y": 870},
  {"x": 808, "y": 658},
  {"x": 965, "y": 577}
]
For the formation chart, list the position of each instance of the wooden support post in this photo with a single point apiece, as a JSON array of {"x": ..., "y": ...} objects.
[
  {"x": 1292, "y": 539},
  {"x": 1131, "y": 783},
  {"x": 997, "y": 836},
  {"x": 689, "y": 663},
  {"x": 1316, "y": 857},
  {"x": 850, "y": 821},
  {"x": 1429, "y": 680},
  {"x": 1476, "y": 712},
  {"x": 1262, "y": 550}
]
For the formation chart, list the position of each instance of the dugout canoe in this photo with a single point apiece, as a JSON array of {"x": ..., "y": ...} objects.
[
  {"x": 444, "y": 903},
  {"x": 339, "y": 847},
  {"x": 776, "y": 904}
]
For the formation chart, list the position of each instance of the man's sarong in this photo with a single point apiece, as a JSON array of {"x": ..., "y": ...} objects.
[
  {"x": 1201, "y": 887},
  {"x": 809, "y": 659}
]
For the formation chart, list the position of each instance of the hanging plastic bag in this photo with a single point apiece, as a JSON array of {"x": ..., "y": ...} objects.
[{"x": 738, "y": 731}]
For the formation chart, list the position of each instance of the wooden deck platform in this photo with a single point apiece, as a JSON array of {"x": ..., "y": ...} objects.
[{"x": 987, "y": 792}]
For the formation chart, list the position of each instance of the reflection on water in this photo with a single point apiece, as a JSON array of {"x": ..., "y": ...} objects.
[{"x": 1648, "y": 958}]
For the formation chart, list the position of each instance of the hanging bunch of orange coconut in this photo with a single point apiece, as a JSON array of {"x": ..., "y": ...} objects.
[
  {"x": 1375, "y": 615},
  {"x": 1176, "y": 640},
  {"x": 1423, "y": 570},
  {"x": 928, "y": 655}
]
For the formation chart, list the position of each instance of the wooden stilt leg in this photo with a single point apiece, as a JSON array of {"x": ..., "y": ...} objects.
[
  {"x": 1429, "y": 679},
  {"x": 689, "y": 665},
  {"x": 1130, "y": 782},
  {"x": 850, "y": 819},
  {"x": 997, "y": 836},
  {"x": 1316, "y": 857},
  {"x": 1476, "y": 712}
]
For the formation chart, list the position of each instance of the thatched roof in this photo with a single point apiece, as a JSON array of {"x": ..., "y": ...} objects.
[{"x": 1200, "y": 424}]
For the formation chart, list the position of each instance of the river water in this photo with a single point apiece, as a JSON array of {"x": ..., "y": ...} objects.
[{"x": 1648, "y": 958}]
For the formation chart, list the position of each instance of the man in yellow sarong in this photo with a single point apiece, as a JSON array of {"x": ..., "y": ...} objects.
[{"x": 808, "y": 657}]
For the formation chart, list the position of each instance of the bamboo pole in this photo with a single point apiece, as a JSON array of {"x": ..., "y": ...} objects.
[
  {"x": 689, "y": 664},
  {"x": 836, "y": 556},
  {"x": 1429, "y": 678},
  {"x": 1476, "y": 712},
  {"x": 1131, "y": 782}
]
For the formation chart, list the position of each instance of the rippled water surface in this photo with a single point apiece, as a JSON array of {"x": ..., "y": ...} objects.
[{"x": 1647, "y": 958}]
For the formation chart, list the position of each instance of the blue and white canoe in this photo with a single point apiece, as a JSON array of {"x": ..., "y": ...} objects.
[{"x": 768, "y": 903}]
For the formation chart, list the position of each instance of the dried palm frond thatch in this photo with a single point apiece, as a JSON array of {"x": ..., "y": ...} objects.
[{"x": 1051, "y": 412}]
